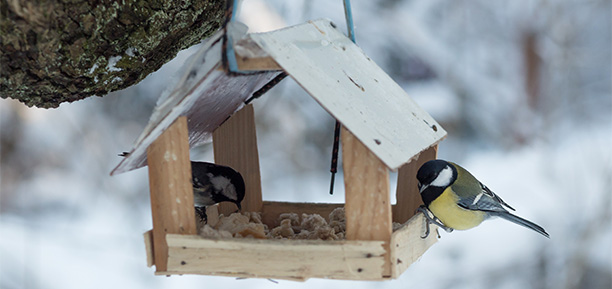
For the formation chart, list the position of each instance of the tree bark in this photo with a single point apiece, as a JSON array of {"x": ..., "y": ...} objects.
[{"x": 55, "y": 51}]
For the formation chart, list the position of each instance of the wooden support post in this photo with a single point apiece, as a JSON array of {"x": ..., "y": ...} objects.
[
  {"x": 368, "y": 204},
  {"x": 171, "y": 189},
  {"x": 235, "y": 145},
  {"x": 407, "y": 196}
]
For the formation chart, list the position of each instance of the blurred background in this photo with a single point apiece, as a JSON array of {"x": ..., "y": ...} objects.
[{"x": 524, "y": 89}]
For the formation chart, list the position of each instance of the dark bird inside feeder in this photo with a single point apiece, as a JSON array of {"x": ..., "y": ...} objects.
[{"x": 213, "y": 184}]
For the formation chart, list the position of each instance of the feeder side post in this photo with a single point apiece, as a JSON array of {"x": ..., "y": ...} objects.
[
  {"x": 407, "y": 195},
  {"x": 235, "y": 145},
  {"x": 171, "y": 189},
  {"x": 368, "y": 204}
]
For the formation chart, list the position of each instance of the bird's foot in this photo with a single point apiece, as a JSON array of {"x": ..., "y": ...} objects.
[
  {"x": 431, "y": 220},
  {"x": 201, "y": 212}
]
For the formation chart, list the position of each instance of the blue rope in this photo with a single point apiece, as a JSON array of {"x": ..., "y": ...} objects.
[
  {"x": 348, "y": 14},
  {"x": 231, "y": 55},
  {"x": 234, "y": 10}
]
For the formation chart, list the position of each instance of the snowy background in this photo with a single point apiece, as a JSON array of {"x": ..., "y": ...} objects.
[{"x": 522, "y": 87}]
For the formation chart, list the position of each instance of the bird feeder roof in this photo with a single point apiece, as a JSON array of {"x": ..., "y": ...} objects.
[
  {"x": 353, "y": 89},
  {"x": 331, "y": 68},
  {"x": 206, "y": 94}
]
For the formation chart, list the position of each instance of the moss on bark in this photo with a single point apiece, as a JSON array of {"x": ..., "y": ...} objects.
[{"x": 55, "y": 51}]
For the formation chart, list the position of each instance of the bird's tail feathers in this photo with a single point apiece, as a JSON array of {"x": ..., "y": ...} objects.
[{"x": 520, "y": 221}]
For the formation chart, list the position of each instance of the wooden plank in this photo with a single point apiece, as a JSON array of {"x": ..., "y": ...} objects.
[
  {"x": 250, "y": 56},
  {"x": 407, "y": 246},
  {"x": 235, "y": 145},
  {"x": 353, "y": 89},
  {"x": 257, "y": 64},
  {"x": 271, "y": 210},
  {"x": 171, "y": 189},
  {"x": 148, "y": 240},
  {"x": 407, "y": 195},
  {"x": 278, "y": 259},
  {"x": 204, "y": 93},
  {"x": 368, "y": 205}
]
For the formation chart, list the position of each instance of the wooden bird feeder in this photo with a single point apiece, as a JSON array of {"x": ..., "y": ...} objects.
[{"x": 382, "y": 130}]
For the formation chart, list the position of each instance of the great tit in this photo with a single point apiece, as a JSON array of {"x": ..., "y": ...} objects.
[
  {"x": 459, "y": 201},
  {"x": 213, "y": 184}
]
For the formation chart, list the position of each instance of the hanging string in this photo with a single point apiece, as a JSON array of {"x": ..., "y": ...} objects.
[
  {"x": 266, "y": 87},
  {"x": 334, "y": 161},
  {"x": 348, "y": 14}
]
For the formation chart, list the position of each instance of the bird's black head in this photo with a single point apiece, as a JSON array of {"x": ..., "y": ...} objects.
[
  {"x": 233, "y": 191},
  {"x": 429, "y": 171},
  {"x": 434, "y": 176},
  {"x": 215, "y": 183},
  {"x": 436, "y": 173}
]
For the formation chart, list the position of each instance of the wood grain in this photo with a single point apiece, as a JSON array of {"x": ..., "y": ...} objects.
[
  {"x": 278, "y": 259},
  {"x": 353, "y": 89},
  {"x": 249, "y": 56},
  {"x": 235, "y": 145},
  {"x": 148, "y": 240},
  {"x": 171, "y": 189},
  {"x": 368, "y": 205},
  {"x": 296, "y": 260},
  {"x": 271, "y": 210},
  {"x": 257, "y": 64},
  {"x": 407, "y": 246},
  {"x": 407, "y": 195}
]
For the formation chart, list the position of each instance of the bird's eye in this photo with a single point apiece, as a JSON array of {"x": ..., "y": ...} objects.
[{"x": 432, "y": 177}]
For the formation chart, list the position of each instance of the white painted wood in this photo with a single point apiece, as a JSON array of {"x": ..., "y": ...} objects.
[
  {"x": 353, "y": 89},
  {"x": 335, "y": 71},
  {"x": 205, "y": 93}
]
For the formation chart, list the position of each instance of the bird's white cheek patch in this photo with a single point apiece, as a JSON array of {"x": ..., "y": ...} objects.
[
  {"x": 444, "y": 178},
  {"x": 224, "y": 184},
  {"x": 230, "y": 192}
]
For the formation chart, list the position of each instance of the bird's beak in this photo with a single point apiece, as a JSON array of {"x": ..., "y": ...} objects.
[
  {"x": 422, "y": 188},
  {"x": 239, "y": 206}
]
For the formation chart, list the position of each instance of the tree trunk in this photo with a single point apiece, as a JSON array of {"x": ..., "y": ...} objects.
[{"x": 55, "y": 51}]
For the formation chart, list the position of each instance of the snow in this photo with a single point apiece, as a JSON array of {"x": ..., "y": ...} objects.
[
  {"x": 130, "y": 51},
  {"x": 65, "y": 223},
  {"x": 112, "y": 61},
  {"x": 93, "y": 68}
]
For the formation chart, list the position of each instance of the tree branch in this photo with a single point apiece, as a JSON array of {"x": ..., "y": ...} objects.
[{"x": 58, "y": 51}]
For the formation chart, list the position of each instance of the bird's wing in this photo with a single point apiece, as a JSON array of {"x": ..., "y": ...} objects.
[
  {"x": 494, "y": 196},
  {"x": 202, "y": 191},
  {"x": 486, "y": 200}
]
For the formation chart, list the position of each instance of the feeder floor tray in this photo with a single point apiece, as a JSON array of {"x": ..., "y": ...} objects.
[{"x": 295, "y": 259}]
